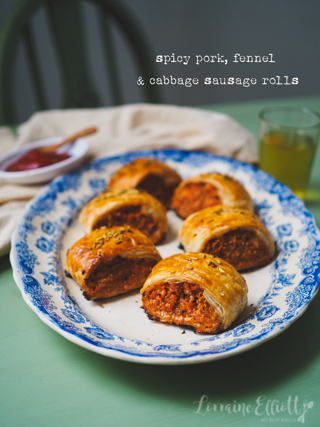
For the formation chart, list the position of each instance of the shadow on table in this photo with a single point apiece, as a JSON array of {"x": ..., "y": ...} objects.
[
  {"x": 4, "y": 263},
  {"x": 253, "y": 373}
]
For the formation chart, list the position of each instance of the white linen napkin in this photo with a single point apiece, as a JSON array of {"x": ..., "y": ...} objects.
[{"x": 122, "y": 129}]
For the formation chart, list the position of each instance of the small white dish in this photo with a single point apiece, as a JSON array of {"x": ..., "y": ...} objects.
[{"x": 77, "y": 150}]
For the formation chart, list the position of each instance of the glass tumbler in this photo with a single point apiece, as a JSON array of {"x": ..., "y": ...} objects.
[{"x": 288, "y": 142}]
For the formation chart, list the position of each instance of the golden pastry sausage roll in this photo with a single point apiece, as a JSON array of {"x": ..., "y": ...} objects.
[
  {"x": 236, "y": 235},
  {"x": 126, "y": 207},
  {"x": 210, "y": 189},
  {"x": 111, "y": 261},
  {"x": 195, "y": 289},
  {"x": 151, "y": 175}
]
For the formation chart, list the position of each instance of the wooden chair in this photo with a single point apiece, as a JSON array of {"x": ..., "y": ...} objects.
[{"x": 65, "y": 23}]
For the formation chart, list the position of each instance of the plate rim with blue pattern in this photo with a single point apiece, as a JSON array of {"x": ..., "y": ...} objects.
[{"x": 37, "y": 267}]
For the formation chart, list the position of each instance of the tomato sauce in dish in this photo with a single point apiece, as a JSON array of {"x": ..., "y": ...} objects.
[{"x": 35, "y": 159}]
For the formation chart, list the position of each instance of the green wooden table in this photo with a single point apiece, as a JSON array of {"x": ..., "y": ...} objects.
[{"x": 49, "y": 381}]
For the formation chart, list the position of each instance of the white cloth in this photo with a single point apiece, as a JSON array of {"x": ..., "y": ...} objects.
[{"x": 122, "y": 129}]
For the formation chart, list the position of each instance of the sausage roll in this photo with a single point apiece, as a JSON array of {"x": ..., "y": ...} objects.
[
  {"x": 236, "y": 235},
  {"x": 195, "y": 289},
  {"x": 147, "y": 174},
  {"x": 126, "y": 207},
  {"x": 210, "y": 189},
  {"x": 111, "y": 261}
]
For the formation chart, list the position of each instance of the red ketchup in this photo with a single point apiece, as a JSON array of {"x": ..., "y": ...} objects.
[{"x": 35, "y": 159}]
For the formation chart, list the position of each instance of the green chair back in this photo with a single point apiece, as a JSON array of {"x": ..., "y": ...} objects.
[{"x": 65, "y": 23}]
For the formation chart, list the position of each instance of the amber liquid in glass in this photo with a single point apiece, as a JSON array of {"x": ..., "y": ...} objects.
[{"x": 289, "y": 159}]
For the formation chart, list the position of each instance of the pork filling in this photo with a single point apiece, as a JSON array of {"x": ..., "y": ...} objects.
[
  {"x": 195, "y": 197},
  {"x": 182, "y": 304},
  {"x": 155, "y": 186},
  {"x": 241, "y": 248},
  {"x": 133, "y": 216},
  {"x": 117, "y": 276}
]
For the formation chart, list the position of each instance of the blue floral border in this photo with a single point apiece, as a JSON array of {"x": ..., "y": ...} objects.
[{"x": 268, "y": 320}]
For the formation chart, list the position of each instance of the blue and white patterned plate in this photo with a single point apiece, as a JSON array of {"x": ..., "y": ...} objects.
[{"x": 278, "y": 293}]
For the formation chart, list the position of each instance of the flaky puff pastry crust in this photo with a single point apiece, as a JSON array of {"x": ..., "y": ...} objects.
[
  {"x": 223, "y": 286},
  {"x": 229, "y": 191},
  {"x": 139, "y": 171},
  {"x": 102, "y": 247},
  {"x": 213, "y": 223},
  {"x": 108, "y": 203}
]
